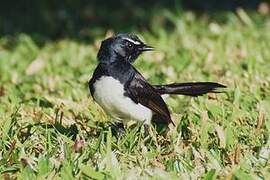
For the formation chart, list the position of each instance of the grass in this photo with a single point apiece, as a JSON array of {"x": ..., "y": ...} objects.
[{"x": 51, "y": 128}]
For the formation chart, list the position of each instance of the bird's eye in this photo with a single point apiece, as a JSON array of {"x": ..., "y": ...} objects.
[{"x": 129, "y": 45}]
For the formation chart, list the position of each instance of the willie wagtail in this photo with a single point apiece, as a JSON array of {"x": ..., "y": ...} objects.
[{"x": 124, "y": 93}]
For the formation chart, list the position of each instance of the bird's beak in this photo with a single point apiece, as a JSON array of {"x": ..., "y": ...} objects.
[{"x": 147, "y": 48}]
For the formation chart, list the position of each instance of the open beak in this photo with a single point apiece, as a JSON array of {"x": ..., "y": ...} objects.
[{"x": 147, "y": 48}]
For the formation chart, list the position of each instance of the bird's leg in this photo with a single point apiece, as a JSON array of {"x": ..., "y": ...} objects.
[
  {"x": 146, "y": 130},
  {"x": 119, "y": 129}
]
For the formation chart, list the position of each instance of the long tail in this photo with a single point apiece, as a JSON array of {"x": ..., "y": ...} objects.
[{"x": 189, "y": 89}]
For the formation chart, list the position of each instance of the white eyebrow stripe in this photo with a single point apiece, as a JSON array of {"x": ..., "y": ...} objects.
[{"x": 132, "y": 41}]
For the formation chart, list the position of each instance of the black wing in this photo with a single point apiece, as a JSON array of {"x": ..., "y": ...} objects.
[{"x": 142, "y": 92}]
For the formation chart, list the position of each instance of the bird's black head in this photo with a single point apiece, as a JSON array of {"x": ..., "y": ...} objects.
[{"x": 122, "y": 46}]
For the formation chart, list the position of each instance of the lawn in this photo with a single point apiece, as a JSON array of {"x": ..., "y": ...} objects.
[{"x": 51, "y": 128}]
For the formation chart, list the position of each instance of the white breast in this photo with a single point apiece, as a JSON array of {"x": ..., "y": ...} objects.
[{"x": 109, "y": 94}]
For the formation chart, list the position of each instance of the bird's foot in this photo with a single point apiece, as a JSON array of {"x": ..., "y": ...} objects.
[{"x": 119, "y": 130}]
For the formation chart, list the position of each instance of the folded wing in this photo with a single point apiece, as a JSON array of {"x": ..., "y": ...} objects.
[{"x": 142, "y": 92}]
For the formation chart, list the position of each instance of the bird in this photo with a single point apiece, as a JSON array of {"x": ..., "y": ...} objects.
[{"x": 122, "y": 91}]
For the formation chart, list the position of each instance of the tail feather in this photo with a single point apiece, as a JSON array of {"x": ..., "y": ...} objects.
[{"x": 189, "y": 88}]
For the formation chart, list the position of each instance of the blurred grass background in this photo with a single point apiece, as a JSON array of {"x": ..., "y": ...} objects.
[
  {"x": 85, "y": 19},
  {"x": 51, "y": 128}
]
